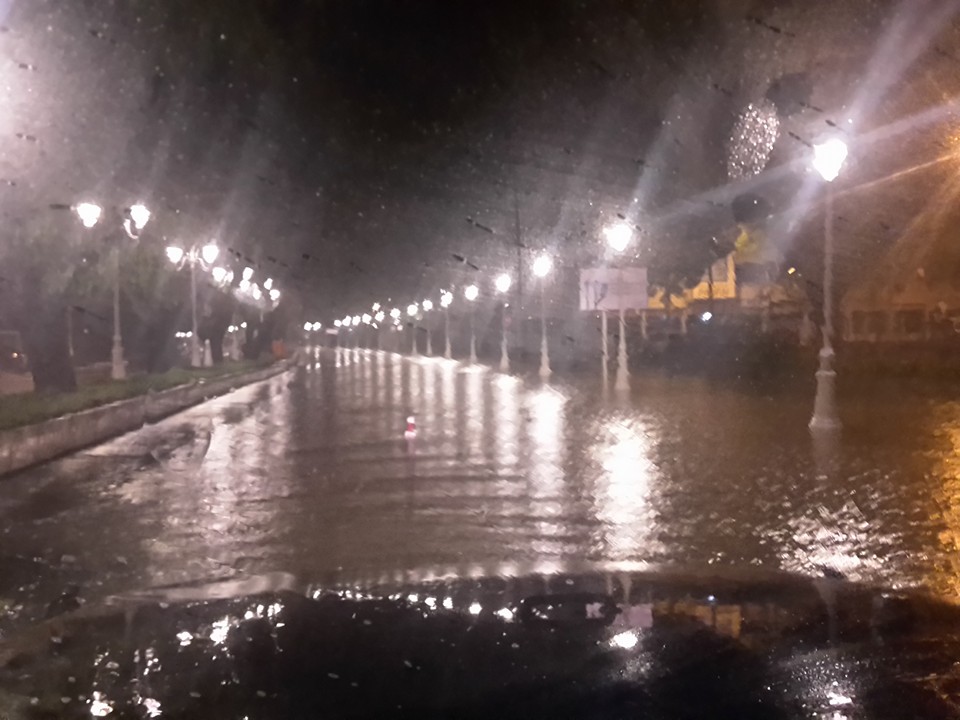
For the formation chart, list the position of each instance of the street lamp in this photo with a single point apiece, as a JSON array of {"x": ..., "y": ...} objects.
[
  {"x": 89, "y": 214},
  {"x": 502, "y": 284},
  {"x": 541, "y": 268},
  {"x": 134, "y": 219},
  {"x": 446, "y": 297},
  {"x": 471, "y": 293},
  {"x": 618, "y": 238},
  {"x": 204, "y": 256},
  {"x": 828, "y": 159},
  {"x": 412, "y": 310},
  {"x": 427, "y": 306}
]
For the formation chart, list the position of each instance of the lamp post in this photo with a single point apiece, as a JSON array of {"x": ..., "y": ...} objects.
[
  {"x": 207, "y": 255},
  {"x": 618, "y": 237},
  {"x": 355, "y": 329},
  {"x": 395, "y": 317},
  {"x": 541, "y": 268},
  {"x": 366, "y": 319},
  {"x": 427, "y": 306},
  {"x": 502, "y": 284},
  {"x": 446, "y": 297},
  {"x": 471, "y": 293},
  {"x": 828, "y": 158},
  {"x": 412, "y": 310},
  {"x": 379, "y": 320},
  {"x": 133, "y": 221}
]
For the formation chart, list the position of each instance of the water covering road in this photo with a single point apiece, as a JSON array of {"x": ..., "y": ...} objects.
[{"x": 310, "y": 473}]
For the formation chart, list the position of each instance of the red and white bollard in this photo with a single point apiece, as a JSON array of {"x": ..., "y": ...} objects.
[{"x": 411, "y": 432}]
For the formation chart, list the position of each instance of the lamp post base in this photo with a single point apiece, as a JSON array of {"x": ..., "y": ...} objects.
[
  {"x": 118, "y": 368},
  {"x": 825, "y": 415},
  {"x": 545, "y": 371}
]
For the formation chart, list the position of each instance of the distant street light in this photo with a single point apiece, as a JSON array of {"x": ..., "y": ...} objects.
[
  {"x": 446, "y": 298},
  {"x": 471, "y": 293},
  {"x": 204, "y": 256},
  {"x": 828, "y": 159},
  {"x": 134, "y": 219},
  {"x": 502, "y": 284},
  {"x": 412, "y": 310},
  {"x": 427, "y": 306},
  {"x": 89, "y": 214},
  {"x": 541, "y": 268},
  {"x": 618, "y": 238}
]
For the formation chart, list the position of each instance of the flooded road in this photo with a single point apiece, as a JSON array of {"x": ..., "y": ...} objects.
[{"x": 309, "y": 473}]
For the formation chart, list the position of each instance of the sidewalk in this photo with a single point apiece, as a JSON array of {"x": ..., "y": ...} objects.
[
  {"x": 37, "y": 428},
  {"x": 27, "y": 408}
]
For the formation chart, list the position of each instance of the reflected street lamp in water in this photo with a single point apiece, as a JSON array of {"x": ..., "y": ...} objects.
[
  {"x": 206, "y": 256},
  {"x": 134, "y": 219},
  {"x": 471, "y": 293},
  {"x": 446, "y": 297},
  {"x": 828, "y": 159},
  {"x": 502, "y": 284},
  {"x": 618, "y": 238},
  {"x": 542, "y": 267}
]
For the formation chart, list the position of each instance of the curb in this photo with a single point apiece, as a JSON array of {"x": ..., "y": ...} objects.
[{"x": 30, "y": 445}]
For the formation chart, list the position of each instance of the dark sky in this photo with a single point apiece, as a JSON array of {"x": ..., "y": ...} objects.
[{"x": 353, "y": 149}]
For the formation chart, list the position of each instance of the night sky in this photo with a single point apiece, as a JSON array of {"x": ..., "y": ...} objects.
[{"x": 373, "y": 148}]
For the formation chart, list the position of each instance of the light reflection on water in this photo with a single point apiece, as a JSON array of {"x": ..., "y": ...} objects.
[{"x": 314, "y": 476}]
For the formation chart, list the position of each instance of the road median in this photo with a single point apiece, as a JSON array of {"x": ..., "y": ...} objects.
[{"x": 38, "y": 442}]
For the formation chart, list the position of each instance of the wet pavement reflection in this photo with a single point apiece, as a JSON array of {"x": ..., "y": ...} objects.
[{"x": 310, "y": 473}]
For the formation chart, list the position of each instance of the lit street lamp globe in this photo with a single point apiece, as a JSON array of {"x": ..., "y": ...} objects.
[
  {"x": 275, "y": 295},
  {"x": 209, "y": 254},
  {"x": 427, "y": 305},
  {"x": 174, "y": 254},
  {"x": 366, "y": 318},
  {"x": 139, "y": 215},
  {"x": 412, "y": 309},
  {"x": 337, "y": 323},
  {"x": 379, "y": 316},
  {"x": 446, "y": 298},
  {"x": 89, "y": 214},
  {"x": 618, "y": 236},
  {"x": 503, "y": 283},
  {"x": 395, "y": 313},
  {"x": 542, "y": 266},
  {"x": 307, "y": 327},
  {"x": 471, "y": 292},
  {"x": 828, "y": 158}
]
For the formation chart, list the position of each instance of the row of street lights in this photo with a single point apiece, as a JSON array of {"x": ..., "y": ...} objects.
[
  {"x": 542, "y": 267},
  {"x": 828, "y": 160},
  {"x": 133, "y": 220}
]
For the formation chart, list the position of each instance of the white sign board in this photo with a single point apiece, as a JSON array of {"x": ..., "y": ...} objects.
[{"x": 613, "y": 288}]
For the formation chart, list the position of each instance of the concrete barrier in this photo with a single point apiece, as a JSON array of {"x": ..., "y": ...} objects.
[{"x": 33, "y": 444}]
